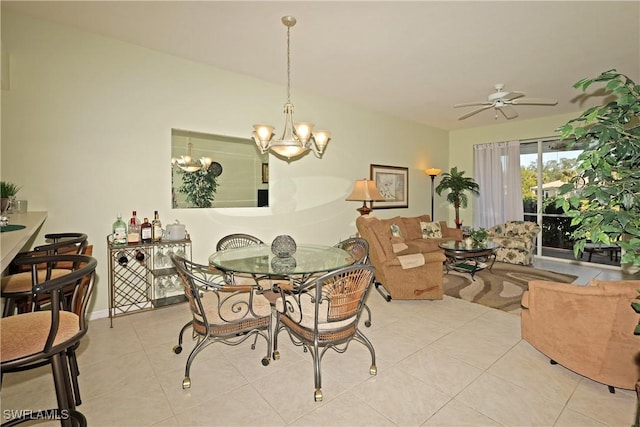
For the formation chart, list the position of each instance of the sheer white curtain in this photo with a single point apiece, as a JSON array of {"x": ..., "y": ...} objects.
[{"x": 497, "y": 172}]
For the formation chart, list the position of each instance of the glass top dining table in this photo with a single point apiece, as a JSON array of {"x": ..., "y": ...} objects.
[{"x": 259, "y": 260}]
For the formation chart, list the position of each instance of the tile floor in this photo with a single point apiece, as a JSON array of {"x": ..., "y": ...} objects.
[{"x": 440, "y": 363}]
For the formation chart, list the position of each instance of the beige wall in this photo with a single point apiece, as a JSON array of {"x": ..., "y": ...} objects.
[
  {"x": 86, "y": 130},
  {"x": 461, "y": 144}
]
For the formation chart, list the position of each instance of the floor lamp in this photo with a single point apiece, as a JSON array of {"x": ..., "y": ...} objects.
[{"x": 432, "y": 172}]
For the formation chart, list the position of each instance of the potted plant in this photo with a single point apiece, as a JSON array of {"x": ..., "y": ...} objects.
[
  {"x": 457, "y": 184},
  {"x": 8, "y": 191},
  {"x": 603, "y": 199},
  {"x": 479, "y": 235},
  {"x": 200, "y": 186}
]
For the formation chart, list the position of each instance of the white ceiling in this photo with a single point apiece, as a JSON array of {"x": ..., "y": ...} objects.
[{"x": 413, "y": 60}]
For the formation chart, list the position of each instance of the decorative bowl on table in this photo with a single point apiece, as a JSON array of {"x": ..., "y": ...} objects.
[{"x": 283, "y": 246}]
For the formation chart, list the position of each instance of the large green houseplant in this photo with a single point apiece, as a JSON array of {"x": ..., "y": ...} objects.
[
  {"x": 200, "y": 186},
  {"x": 603, "y": 199},
  {"x": 458, "y": 185}
]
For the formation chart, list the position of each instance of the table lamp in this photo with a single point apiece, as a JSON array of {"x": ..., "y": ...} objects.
[{"x": 365, "y": 190}]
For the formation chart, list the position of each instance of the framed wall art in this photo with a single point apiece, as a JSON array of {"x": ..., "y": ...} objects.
[
  {"x": 265, "y": 173},
  {"x": 393, "y": 184}
]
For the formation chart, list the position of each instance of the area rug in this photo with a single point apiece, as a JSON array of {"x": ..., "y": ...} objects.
[{"x": 500, "y": 288}]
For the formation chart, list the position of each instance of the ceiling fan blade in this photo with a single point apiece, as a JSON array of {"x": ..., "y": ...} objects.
[
  {"x": 477, "y": 110},
  {"x": 512, "y": 95},
  {"x": 509, "y": 112},
  {"x": 469, "y": 104},
  {"x": 534, "y": 101}
]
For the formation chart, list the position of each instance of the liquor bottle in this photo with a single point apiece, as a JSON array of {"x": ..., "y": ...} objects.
[
  {"x": 133, "y": 235},
  {"x": 119, "y": 231},
  {"x": 146, "y": 233},
  {"x": 157, "y": 227}
]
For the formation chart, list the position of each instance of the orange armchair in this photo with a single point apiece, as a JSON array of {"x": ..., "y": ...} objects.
[{"x": 587, "y": 329}]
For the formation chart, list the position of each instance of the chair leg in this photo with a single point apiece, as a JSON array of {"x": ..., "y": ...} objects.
[
  {"x": 367, "y": 322},
  {"x": 267, "y": 358},
  {"x": 186, "y": 383},
  {"x": 62, "y": 386},
  {"x": 373, "y": 369},
  {"x": 74, "y": 371},
  {"x": 276, "y": 330},
  {"x": 9, "y": 307},
  {"x": 315, "y": 353},
  {"x": 177, "y": 349}
]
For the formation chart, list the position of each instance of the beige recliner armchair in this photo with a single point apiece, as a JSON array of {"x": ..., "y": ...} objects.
[
  {"x": 587, "y": 329},
  {"x": 408, "y": 267}
]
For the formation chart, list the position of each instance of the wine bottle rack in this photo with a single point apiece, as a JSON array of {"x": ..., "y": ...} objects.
[{"x": 142, "y": 277}]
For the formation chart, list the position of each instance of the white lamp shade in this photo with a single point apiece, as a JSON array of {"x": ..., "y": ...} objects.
[
  {"x": 303, "y": 131},
  {"x": 263, "y": 132},
  {"x": 288, "y": 151},
  {"x": 321, "y": 137}
]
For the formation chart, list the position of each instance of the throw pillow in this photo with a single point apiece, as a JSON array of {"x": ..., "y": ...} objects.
[
  {"x": 395, "y": 230},
  {"x": 431, "y": 230}
]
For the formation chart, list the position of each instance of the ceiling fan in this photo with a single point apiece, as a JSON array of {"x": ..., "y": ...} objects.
[{"x": 502, "y": 101}]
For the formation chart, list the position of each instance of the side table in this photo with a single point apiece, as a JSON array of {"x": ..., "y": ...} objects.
[{"x": 468, "y": 259}]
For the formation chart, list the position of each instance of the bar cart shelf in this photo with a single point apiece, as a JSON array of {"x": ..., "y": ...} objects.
[{"x": 141, "y": 276}]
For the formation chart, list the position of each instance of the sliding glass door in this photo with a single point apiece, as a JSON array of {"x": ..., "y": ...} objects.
[{"x": 546, "y": 165}]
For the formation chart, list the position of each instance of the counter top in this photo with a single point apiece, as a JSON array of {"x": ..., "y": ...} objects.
[{"x": 12, "y": 242}]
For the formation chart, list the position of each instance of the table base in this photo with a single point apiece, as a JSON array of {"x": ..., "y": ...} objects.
[{"x": 469, "y": 262}]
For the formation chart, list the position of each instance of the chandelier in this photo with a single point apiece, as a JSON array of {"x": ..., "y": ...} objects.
[
  {"x": 188, "y": 164},
  {"x": 297, "y": 138}
]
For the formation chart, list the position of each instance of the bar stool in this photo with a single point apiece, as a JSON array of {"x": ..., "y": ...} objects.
[
  {"x": 30, "y": 340},
  {"x": 16, "y": 287}
]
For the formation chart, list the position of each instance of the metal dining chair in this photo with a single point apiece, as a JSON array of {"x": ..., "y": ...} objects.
[
  {"x": 224, "y": 313},
  {"x": 324, "y": 314},
  {"x": 359, "y": 250},
  {"x": 236, "y": 240}
]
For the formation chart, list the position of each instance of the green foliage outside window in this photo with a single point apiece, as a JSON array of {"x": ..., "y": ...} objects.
[{"x": 553, "y": 170}]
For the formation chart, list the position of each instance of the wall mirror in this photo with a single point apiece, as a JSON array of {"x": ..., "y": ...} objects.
[{"x": 217, "y": 171}]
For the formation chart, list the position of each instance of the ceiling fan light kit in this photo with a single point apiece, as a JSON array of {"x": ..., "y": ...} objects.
[{"x": 502, "y": 102}]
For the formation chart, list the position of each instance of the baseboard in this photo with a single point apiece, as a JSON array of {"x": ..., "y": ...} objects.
[{"x": 100, "y": 314}]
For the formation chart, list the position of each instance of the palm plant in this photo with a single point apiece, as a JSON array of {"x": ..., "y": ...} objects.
[{"x": 458, "y": 185}]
